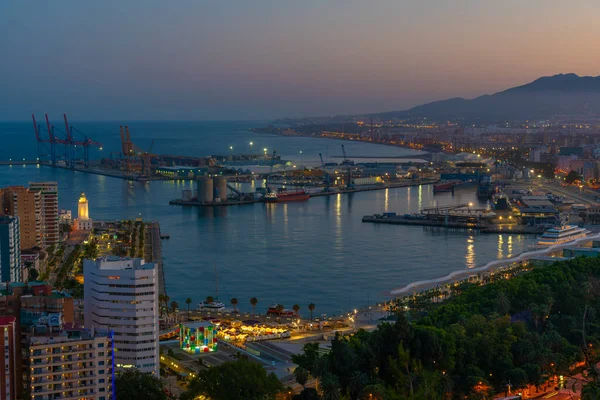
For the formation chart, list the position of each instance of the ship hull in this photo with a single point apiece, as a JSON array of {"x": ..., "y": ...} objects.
[{"x": 288, "y": 197}]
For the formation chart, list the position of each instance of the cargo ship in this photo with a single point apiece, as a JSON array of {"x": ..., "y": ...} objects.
[
  {"x": 285, "y": 195},
  {"x": 445, "y": 187}
]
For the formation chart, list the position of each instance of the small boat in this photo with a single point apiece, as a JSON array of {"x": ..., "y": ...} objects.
[
  {"x": 165, "y": 236},
  {"x": 214, "y": 306},
  {"x": 562, "y": 234}
]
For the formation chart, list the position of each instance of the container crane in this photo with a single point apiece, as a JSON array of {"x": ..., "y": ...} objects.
[
  {"x": 39, "y": 139},
  {"x": 348, "y": 164},
  {"x": 326, "y": 178}
]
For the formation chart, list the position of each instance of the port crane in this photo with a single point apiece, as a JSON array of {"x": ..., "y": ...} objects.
[
  {"x": 348, "y": 164},
  {"x": 69, "y": 142},
  {"x": 326, "y": 177},
  {"x": 131, "y": 151},
  {"x": 269, "y": 189}
]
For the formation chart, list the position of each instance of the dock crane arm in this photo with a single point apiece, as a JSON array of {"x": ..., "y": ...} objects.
[{"x": 325, "y": 174}]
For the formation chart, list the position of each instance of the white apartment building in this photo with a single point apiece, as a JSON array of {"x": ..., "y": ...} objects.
[
  {"x": 77, "y": 365},
  {"x": 49, "y": 196},
  {"x": 121, "y": 294}
]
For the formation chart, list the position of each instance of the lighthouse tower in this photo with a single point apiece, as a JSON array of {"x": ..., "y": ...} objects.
[{"x": 83, "y": 221}]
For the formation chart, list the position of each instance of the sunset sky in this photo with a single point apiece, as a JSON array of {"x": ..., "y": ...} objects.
[{"x": 256, "y": 59}]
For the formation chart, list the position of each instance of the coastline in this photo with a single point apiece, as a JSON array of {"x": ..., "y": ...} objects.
[{"x": 414, "y": 287}]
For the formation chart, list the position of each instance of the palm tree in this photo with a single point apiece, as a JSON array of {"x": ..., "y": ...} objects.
[
  {"x": 174, "y": 306},
  {"x": 167, "y": 298},
  {"x": 296, "y": 309},
  {"x": 188, "y": 301},
  {"x": 209, "y": 299},
  {"x": 311, "y": 307},
  {"x": 330, "y": 387},
  {"x": 234, "y": 302},
  {"x": 301, "y": 376},
  {"x": 254, "y": 302},
  {"x": 279, "y": 309},
  {"x": 161, "y": 300}
]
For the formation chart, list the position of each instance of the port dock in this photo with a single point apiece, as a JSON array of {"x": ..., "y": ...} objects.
[
  {"x": 248, "y": 198},
  {"x": 472, "y": 219}
]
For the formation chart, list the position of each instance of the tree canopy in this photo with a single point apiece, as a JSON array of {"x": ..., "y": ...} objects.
[
  {"x": 235, "y": 380},
  {"x": 132, "y": 384},
  {"x": 518, "y": 331}
]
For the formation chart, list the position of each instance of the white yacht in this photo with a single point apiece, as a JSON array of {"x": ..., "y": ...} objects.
[
  {"x": 562, "y": 234},
  {"x": 214, "y": 306}
]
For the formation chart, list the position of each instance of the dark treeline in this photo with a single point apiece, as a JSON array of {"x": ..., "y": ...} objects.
[{"x": 519, "y": 331}]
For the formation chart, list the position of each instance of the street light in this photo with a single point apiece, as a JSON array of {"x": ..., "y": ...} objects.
[{"x": 469, "y": 208}]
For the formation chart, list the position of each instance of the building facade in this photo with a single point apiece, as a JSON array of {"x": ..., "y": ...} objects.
[
  {"x": 10, "y": 249},
  {"x": 49, "y": 198},
  {"x": 21, "y": 202},
  {"x": 73, "y": 364},
  {"x": 9, "y": 381},
  {"x": 121, "y": 294}
]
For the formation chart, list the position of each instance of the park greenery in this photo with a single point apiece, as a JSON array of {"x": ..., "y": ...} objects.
[
  {"x": 235, "y": 380},
  {"x": 517, "y": 332},
  {"x": 132, "y": 384}
]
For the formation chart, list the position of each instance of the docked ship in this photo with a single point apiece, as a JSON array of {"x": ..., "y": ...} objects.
[
  {"x": 562, "y": 234},
  {"x": 214, "y": 306},
  {"x": 445, "y": 187},
  {"x": 500, "y": 202},
  {"x": 286, "y": 195}
]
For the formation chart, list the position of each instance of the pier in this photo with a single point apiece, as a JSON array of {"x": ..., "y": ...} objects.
[
  {"x": 458, "y": 219},
  {"x": 366, "y": 188}
]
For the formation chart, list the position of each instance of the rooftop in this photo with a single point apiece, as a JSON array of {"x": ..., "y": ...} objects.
[{"x": 4, "y": 320}]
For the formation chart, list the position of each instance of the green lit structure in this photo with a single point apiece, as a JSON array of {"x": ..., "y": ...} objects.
[{"x": 197, "y": 337}]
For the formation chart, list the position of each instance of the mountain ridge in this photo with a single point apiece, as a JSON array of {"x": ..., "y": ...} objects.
[{"x": 542, "y": 98}]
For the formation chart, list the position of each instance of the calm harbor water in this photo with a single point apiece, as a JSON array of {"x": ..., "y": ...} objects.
[{"x": 318, "y": 251}]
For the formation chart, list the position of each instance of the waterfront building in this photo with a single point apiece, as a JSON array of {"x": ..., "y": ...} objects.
[
  {"x": 49, "y": 197},
  {"x": 9, "y": 353},
  {"x": 70, "y": 363},
  {"x": 26, "y": 204},
  {"x": 83, "y": 221},
  {"x": 197, "y": 337},
  {"x": 10, "y": 249},
  {"x": 121, "y": 294}
]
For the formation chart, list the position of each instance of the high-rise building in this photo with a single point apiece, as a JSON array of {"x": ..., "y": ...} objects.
[
  {"x": 26, "y": 204},
  {"x": 10, "y": 250},
  {"x": 49, "y": 198},
  {"x": 8, "y": 354},
  {"x": 121, "y": 294},
  {"x": 71, "y": 364},
  {"x": 83, "y": 221}
]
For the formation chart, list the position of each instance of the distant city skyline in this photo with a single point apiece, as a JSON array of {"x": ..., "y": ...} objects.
[{"x": 240, "y": 60}]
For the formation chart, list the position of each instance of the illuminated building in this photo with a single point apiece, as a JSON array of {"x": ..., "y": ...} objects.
[
  {"x": 71, "y": 364},
  {"x": 9, "y": 373},
  {"x": 83, "y": 221},
  {"x": 121, "y": 294},
  {"x": 10, "y": 249},
  {"x": 26, "y": 204},
  {"x": 197, "y": 337},
  {"x": 49, "y": 198}
]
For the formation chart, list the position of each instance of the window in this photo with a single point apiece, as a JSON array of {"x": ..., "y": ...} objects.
[
  {"x": 100, "y": 344},
  {"x": 101, "y": 380},
  {"x": 101, "y": 372}
]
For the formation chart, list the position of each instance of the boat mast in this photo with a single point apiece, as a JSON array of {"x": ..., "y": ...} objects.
[{"x": 216, "y": 281}]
